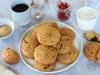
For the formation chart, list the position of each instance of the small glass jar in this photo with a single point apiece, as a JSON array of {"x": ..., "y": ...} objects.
[
  {"x": 64, "y": 11},
  {"x": 39, "y": 8}
]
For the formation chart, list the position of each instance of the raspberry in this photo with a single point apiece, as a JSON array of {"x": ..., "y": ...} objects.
[
  {"x": 62, "y": 5},
  {"x": 62, "y": 16}
]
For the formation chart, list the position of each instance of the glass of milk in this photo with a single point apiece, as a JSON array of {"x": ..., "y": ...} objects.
[{"x": 86, "y": 18}]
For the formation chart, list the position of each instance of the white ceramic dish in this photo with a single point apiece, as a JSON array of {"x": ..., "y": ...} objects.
[
  {"x": 59, "y": 67},
  {"x": 4, "y": 21}
]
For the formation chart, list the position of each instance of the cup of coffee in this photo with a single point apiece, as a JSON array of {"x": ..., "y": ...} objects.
[
  {"x": 86, "y": 18},
  {"x": 21, "y": 12}
]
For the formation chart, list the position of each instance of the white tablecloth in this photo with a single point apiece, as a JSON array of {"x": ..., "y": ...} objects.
[{"x": 82, "y": 67}]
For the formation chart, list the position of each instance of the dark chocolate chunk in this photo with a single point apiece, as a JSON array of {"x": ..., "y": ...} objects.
[{"x": 94, "y": 39}]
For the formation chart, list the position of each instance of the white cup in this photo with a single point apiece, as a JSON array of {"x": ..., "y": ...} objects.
[
  {"x": 86, "y": 18},
  {"x": 21, "y": 18}
]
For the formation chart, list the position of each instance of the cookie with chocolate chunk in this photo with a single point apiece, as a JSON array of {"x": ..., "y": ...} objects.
[
  {"x": 42, "y": 67},
  {"x": 10, "y": 56},
  {"x": 91, "y": 36},
  {"x": 45, "y": 54},
  {"x": 68, "y": 58},
  {"x": 48, "y": 35},
  {"x": 91, "y": 50},
  {"x": 29, "y": 44},
  {"x": 65, "y": 44},
  {"x": 68, "y": 32}
]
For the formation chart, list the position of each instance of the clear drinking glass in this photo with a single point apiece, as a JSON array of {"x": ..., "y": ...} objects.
[
  {"x": 39, "y": 6},
  {"x": 86, "y": 15}
]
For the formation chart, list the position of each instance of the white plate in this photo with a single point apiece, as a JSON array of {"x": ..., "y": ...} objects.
[{"x": 59, "y": 67}]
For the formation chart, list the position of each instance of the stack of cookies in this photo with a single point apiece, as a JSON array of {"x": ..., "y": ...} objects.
[
  {"x": 48, "y": 44},
  {"x": 67, "y": 53}
]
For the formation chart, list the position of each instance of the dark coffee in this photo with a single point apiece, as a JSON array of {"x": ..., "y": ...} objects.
[{"x": 20, "y": 7}]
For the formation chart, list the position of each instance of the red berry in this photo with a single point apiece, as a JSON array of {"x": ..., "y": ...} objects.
[
  {"x": 62, "y": 16},
  {"x": 62, "y": 5}
]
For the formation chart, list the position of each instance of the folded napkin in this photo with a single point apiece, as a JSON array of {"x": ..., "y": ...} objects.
[{"x": 5, "y": 71}]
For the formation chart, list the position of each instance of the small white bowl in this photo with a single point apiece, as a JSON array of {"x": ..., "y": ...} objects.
[
  {"x": 59, "y": 67},
  {"x": 4, "y": 21}
]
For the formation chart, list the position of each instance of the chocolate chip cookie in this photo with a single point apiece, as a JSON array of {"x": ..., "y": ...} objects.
[
  {"x": 42, "y": 67},
  {"x": 10, "y": 56},
  {"x": 91, "y": 50},
  {"x": 45, "y": 54},
  {"x": 29, "y": 44},
  {"x": 48, "y": 35}
]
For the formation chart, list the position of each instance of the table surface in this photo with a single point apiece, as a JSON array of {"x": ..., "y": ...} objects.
[{"x": 82, "y": 67}]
